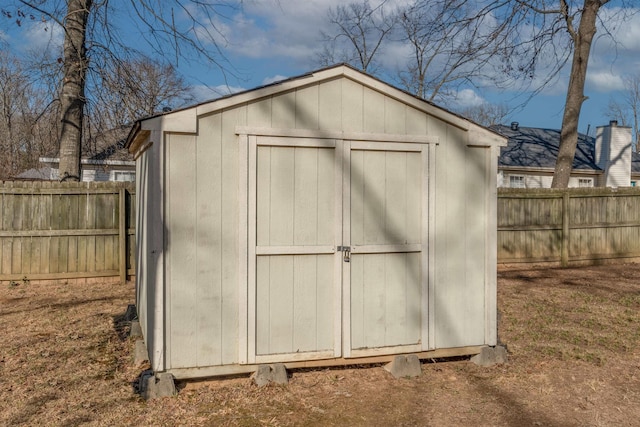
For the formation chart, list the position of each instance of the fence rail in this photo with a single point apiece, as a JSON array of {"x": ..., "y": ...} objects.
[
  {"x": 51, "y": 230},
  {"x": 568, "y": 226}
]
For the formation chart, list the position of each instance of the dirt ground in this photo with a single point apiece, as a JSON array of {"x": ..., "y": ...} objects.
[{"x": 573, "y": 337}]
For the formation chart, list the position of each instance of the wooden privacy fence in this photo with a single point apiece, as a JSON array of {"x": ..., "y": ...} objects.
[
  {"x": 568, "y": 226},
  {"x": 52, "y": 230}
]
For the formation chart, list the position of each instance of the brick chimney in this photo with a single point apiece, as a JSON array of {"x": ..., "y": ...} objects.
[{"x": 613, "y": 154}]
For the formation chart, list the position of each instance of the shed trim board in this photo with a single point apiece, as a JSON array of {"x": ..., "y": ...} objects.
[
  {"x": 325, "y": 219},
  {"x": 491, "y": 260},
  {"x": 225, "y": 370},
  {"x": 304, "y": 135}
]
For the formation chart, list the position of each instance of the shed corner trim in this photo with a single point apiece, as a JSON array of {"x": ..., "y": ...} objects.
[{"x": 137, "y": 142}]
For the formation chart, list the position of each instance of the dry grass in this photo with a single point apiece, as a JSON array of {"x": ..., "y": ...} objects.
[{"x": 573, "y": 337}]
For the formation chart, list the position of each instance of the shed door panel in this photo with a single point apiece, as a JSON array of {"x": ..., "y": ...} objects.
[
  {"x": 309, "y": 200},
  {"x": 295, "y": 250},
  {"x": 385, "y": 214}
]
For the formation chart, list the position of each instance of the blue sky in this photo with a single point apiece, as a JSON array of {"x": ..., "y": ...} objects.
[{"x": 267, "y": 40}]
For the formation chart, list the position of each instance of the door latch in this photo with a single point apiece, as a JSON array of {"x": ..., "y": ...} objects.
[{"x": 346, "y": 253}]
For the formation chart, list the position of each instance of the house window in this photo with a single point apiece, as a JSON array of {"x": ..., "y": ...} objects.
[
  {"x": 585, "y": 182},
  {"x": 516, "y": 181},
  {"x": 124, "y": 176},
  {"x": 633, "y": 183}
]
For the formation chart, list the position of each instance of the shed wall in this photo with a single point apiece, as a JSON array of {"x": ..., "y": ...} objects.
[
  {"x": 202, "y": 210},
  {"x": 150, "y": 253},
  {"x": 461, "y": 201}
]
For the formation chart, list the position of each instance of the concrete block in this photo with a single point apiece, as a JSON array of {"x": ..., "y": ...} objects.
[
  {"x": 490, "y": 356},
  {"x": 404, "y": 366},
  {"x": 279, "y": 374},
  {"x": 158, "y": 385},
  {"x": 140, "y": 354},
  {"x": 131, "y": 313},
  {"x": 276, "y": 373},
  {"x": 136, "y": 330}
]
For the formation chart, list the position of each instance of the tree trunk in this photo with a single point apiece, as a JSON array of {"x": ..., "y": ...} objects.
[
  {"x": 575, "y": 93},
  {"x": 72, "y": 98}
]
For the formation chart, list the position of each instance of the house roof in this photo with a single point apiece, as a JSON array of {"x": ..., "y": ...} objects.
[
  {"x": 103, "y": 148},
  {"x": 35, "y": 174},
  {"x": 538, "y": 148}
]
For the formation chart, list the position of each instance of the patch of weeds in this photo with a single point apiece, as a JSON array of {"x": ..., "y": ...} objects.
[
  {"x": 552, "y": 352},
  {"x": 15, "y": 283},
  {"x": 586, "y": 356},
  {"x": 630, "y": 300},
  {"x": 591, "y": 323}
]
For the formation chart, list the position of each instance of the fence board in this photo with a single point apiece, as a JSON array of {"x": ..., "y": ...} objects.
[
  {"x": 592, "y": 224},
  {"x": 51, "y": 230}
]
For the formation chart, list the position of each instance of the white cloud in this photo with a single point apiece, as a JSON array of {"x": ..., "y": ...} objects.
[
  {"x": 285, "y": 28},
  {"x": 276, "y": 78},
  {"x": 204, "y": 93},
  {"x": 604, "y": 81},
  {"x": 466, "y": 98},
  {"x": 43, "y": 36},
  {"x": 616, "y": 49},
  {"x": 618, "y": 30}
]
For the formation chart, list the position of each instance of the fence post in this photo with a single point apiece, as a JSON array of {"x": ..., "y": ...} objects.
[
  {"x": 565, "y": 229},
  {"x": 122, "y": 234}
]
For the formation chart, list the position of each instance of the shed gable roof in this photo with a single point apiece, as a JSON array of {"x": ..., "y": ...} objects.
[{"x": 185, "y": 119}]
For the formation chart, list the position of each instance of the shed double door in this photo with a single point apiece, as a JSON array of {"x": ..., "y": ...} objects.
[{"x": 337, "y": 248}]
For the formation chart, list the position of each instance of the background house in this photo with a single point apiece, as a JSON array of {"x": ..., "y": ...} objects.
[
  {"x": 104, "y": 158},
  {"x": 528, "y": 160}
]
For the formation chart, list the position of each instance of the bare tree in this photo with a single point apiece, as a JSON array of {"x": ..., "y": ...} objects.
[
  {"x": 24, "y": 118},
  {"x": 486, "y": 114},
  {"x": 136, "y": 88},
  {"x": 582, "y": 37},
  {"x": 627, "y": 110},
  {"x": 357, "y": 35},
  {"x": 451, "y": 43},
  {"x": 90, "y": 32},
  {"x": 526, "y": 41},
  {"x": 72, "y": 99}
]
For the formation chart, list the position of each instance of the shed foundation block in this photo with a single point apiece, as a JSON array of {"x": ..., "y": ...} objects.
[
  {"x": 490, "y": 356},
  {"x": 135, "y": 330},
  {"x": 155, "y": 386},
  {"x": 404, "y": 366},
  {"x": 276, "y": 373},
  {"x": 131, "y": 314}
]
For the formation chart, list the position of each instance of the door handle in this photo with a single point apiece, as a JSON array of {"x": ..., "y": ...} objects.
[{"x": 346, "y": 253}]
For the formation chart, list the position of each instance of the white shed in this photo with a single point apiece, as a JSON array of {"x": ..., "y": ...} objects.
[{"x": 323, "y": 220}]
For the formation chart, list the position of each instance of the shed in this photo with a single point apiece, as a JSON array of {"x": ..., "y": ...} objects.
[{"x": 323, "y": 220}]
